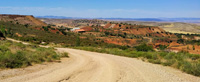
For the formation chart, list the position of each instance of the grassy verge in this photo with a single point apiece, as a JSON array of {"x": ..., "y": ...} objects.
[
  {"x": 16, "y": 55},
  {"x": 189, "y": 63}
]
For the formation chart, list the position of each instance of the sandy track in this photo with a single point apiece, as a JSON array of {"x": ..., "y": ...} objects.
[{"x": 84, "y": 66}]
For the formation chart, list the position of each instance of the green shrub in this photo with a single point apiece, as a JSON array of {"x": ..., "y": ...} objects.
[
  {"x": 169, "y": 62},
  {"x": 144, "y": 47},
  {"x": 55, "y": 56},
  {"x": 25, "y": 55},
  {"x": 162, "y": 47},
  {"x": 46, "y": 28},
  {"x": 157, "y": 61},
  {"x": 195, "y": 57},
  {"x": 9, "y": 60},
  {"x": 3, "y": 48},
  {"x": 169, "y": 56},
  {"x": 163, "y": 54},
  {"x": 150, "y": 55},
  {"x": 196, "y": 69},
  {"x": 133, "y": 54},
  {"x": 187, "y": 67},
  {"x": 64, "y": 55}
]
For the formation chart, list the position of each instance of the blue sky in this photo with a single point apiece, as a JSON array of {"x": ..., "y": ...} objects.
[{"x": 103, "y": 8}]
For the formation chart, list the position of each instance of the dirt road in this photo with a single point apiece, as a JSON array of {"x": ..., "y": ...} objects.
[{"x": 84, "y": 66}]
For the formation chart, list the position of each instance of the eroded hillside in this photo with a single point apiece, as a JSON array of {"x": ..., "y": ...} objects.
[
  {"x": 173, "y": 27},
  {"x": 96, "y": 33},
  {"x": 22, "y": 19}
]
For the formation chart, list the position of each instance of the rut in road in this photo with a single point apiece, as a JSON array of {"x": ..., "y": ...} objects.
[{"x": 84, "y": 66}]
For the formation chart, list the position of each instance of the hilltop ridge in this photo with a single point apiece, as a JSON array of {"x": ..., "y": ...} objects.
[{"x": 22, "y": 19}]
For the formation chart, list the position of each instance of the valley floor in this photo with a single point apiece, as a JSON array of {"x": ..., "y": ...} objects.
[{"x": 84, "y": 66}]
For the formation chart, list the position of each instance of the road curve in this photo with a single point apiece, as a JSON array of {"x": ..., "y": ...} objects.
[{"x": 84, "y": 66}]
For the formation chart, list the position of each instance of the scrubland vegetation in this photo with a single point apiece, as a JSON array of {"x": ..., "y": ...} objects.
[
  {"x": 189, "y": 63},
  {"x": 15, "y": 55},
  {"x": 39, "y": 36},
  {"x": 190, "y": 40}
]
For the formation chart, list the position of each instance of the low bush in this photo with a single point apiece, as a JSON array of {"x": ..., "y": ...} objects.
[
  {"x": 169, "y": 62},
  {"x": 64, "y": 54},
  {"x": 17, "y": 55},
  {"x": 157, "y": 61},
  {"x": 144, "y": 47}
]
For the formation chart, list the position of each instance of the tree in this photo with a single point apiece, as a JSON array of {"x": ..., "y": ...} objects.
[
  {"x": 180, "y": 41},
  {"x": 78, "y": 41},
  {"x": 26, "y": 25},
  {"x": 45, "y": 28},
  {"x": 162, "y": 47},
  {"x": 57, "y": 32},
  {"x": 120, "y": 25},
  {"x": 107, "y": 33},
  {"x": 125, "y": 34},
  {"x": 193, "y": 47}
]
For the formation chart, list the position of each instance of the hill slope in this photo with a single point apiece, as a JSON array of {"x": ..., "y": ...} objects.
[
  {"x": 21, "y": 19},
  {"x": 171, "y": 26},
  {"x": 174, "y": 27}
]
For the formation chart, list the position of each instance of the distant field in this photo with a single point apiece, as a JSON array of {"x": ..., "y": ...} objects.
[{"x": 176, "y": 27}]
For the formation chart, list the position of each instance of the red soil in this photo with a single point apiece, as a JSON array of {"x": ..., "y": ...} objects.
[{"x": 87, "y": 28}]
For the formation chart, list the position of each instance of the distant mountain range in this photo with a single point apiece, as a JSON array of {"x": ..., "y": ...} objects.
[
  {"x": 59, "y": 17},
  {"x": 187, "y": 20}
]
